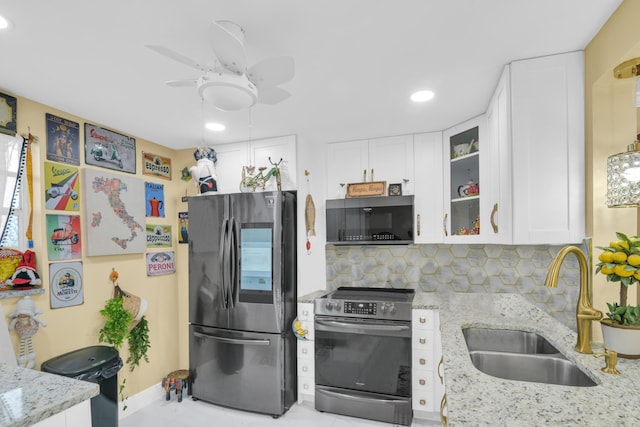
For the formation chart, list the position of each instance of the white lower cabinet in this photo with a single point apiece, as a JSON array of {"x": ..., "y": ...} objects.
[
  {"x": 306, "y": 356},
  {"x": 427, "y": 378},
  {"x": 76, "y": 416}
]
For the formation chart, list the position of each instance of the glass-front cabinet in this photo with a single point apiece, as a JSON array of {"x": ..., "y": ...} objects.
[{"x": 464, "y": 147}]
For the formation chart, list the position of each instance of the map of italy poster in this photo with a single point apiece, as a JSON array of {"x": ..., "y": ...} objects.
[{"x": 115, "y": 213}]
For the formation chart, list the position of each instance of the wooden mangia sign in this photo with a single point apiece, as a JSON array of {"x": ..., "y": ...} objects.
[{"x": 367, "y": 189}]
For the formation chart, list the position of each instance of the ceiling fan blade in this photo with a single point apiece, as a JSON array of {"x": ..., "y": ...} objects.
[
  {"x": 165, "y": 51},
  {"x": 272, "y": 71},
  {"x": 227, "y": 41},
  {"x": 181, "y": 83},
  {"x": 272, "y": 95}
]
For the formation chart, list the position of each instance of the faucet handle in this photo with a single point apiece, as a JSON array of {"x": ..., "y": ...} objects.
[{"x": 610, "y": 360}]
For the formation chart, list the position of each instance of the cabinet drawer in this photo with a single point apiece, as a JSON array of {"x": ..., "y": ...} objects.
[
  {"x": 422, "y": 319},
  {"x": 423, "y": 360},
  {"x": 423, "y": 402},
  {"x": 306, "y": 366},
  {"x": 422, "y": 340},
  {"x": 306, "y": 350},
  {"x": 305, "y": 312},
  {"x": 306, "y": 385}
]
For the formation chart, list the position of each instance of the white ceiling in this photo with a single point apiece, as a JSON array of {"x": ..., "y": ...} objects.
[{"x": 357, "y": 61}]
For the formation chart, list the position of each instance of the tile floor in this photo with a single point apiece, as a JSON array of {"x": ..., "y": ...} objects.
[{"x": 200, "y": 414}]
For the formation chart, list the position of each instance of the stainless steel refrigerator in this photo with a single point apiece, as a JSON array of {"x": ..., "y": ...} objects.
[{"x": 242, "y": 300}]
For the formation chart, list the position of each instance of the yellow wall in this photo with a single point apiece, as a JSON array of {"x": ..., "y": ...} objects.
[
  {"x": 610, "y": 126},
  {"x": 76, "y": 327}
]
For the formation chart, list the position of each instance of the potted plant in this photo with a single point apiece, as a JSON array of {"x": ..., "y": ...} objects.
[
  {"x": 125, "y": 320},
  {"x": 620, "y": 262}
]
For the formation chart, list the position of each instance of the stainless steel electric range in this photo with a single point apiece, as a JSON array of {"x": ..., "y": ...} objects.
[{"x": 363, "y": 353}]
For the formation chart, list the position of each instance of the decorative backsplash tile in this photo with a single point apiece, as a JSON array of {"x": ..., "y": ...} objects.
[{"x": 461, "y": 268}]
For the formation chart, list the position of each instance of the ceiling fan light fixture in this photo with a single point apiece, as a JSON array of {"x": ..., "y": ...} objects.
[
  {"x": 216, "y": 127},
  {"x": 228, "y": 92},
  {"x": 422, "y": 96}
]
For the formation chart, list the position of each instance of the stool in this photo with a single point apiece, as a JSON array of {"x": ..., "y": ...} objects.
[{"x": 177, "y": 380}]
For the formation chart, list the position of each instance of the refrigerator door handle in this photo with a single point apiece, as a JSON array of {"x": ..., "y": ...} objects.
[
  {"x": 232, "y": 245},
  {"x": 222, "y": 262},
  {"x": 233, "y": 340}
]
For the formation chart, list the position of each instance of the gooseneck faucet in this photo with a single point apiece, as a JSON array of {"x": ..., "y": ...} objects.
[{"x": 585, "y": 313}]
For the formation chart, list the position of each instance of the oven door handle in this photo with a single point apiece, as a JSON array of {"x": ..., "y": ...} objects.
[
  {"x": 358, "y": 398},
  {"x": 344, "y": 326}
]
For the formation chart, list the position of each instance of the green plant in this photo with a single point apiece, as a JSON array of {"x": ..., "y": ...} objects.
[
  {"x": 625, "y": 314},
  {"x": 116, "y": 325},
  {"x": 138, "y": 344},
  {"x": 620, "y": 262}
]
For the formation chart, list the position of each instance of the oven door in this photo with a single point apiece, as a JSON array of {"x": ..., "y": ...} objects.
[{"x": 366, "y": 355}]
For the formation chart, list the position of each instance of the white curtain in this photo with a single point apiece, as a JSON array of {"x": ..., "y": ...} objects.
[{"x": 12, "y": 165}]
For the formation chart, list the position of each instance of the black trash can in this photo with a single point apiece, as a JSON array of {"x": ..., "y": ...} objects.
[{"x": 97, "y": 364}]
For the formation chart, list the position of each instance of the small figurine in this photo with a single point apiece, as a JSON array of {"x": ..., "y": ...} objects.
[
  {"x": 25, "y": 276},
  {"x": 204, "y": 171},
  {"x": 26, "y": 322}
]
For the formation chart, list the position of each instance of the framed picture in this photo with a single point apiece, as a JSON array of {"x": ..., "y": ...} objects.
[
  {"x": 155, "y": 165},
  {"x": 66, "y": 284},
  {"x": 8, "y": 107},
  {"x": 62, "y": 184},
  {"x": 63, "y": 140},
  {"x": 154, "y": 199},
  {"x": 114, "y": 211},
  {"x": 108, "y": 149},
  {"x": 395, "y": 190}
]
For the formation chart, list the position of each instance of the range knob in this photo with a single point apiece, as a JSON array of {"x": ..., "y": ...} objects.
[
  {"x": 383, "y": 308},
  {"x": 329, "y": 305},
  {"x": 392, "y": 309}
]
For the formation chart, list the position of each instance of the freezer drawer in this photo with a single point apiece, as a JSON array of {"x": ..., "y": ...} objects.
[{"x": 243, "y": 370}]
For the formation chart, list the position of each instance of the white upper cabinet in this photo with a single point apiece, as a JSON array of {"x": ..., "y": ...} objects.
[
  {"x": 466, "y": 185},
  {"x": 428, "y": 185},
  {"x": 499, "y": 171},
  {"x": 381, "y": 159},
  {"x": 547, "y": 125},
  {"x": 232, "y": 157}
]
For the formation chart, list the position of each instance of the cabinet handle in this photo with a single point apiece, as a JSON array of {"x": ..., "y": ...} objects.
[
  {"x": 423, "y": 320},
  {"x": 443, "y": 405},
  {"x": 371, "y": 174},
  {"x": 422, "y": 340},
  {"x": 304, "y": 351},
  {"x": 418, "y": 224},
  {"x": 439, "y": 374},
  {"x": 364, "y": 176},
  {"x": 493, "y": 222},
  {"x": 423, "y": 362},
  {"x": 422, "y": 382},
  {"x": 444, "y": 224},
  {"x": 305, "y": 368},
  {"x": 305, "y": 312},
  {"x": 305, "y": 386},
  {"x": 423, "y": 402}
]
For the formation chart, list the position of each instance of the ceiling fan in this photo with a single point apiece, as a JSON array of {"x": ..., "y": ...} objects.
[{"x": 229, "y": 84}]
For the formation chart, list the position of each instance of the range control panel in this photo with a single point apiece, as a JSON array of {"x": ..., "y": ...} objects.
[{"x": 369, "y": 308}]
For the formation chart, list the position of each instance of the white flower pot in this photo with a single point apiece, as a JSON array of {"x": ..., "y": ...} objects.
[{"x": 624, "y": 340}]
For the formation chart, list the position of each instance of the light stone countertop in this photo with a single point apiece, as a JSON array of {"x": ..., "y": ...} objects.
[
  {"x": 311, "y": 297},
  {"x": 477, "y": 399},
  {"x": 28, "y": 396}
]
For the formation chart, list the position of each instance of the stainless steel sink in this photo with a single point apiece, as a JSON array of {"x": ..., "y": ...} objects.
[
  {"x": 537, "y": 368},
  {"x": 521, "y": 356},
  {"x": 508, "y": 340}
]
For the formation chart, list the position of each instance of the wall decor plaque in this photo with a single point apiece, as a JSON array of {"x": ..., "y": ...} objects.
[
  {"x": 8, "y": 107},
  {"x": 155, "y": 165},
  {"x": 367, "y": 189},
  {"x": 109, "y": 149}
]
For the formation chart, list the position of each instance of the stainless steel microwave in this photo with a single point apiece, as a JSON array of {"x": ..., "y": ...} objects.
[{"x": 370, "y": 221}]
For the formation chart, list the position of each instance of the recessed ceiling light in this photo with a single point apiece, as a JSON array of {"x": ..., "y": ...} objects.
[
  {"x": 4, "y": 23},
  {"x": 422, "y": 96},
  {"x": 217, "y": 127}
]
